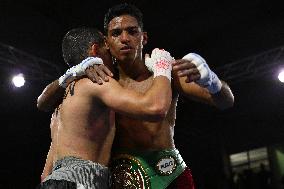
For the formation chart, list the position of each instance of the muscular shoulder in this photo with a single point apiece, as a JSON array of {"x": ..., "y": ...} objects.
[{"x": 85, "y": 86}]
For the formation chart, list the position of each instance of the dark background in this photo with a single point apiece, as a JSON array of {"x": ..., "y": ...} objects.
[{"x": 222, "y": 32}]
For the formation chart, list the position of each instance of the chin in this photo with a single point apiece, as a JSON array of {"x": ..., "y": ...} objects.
[{"x": 126, "y": 59}]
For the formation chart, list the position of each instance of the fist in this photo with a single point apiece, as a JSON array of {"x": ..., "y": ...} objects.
[{"x": 160, "y": 59}]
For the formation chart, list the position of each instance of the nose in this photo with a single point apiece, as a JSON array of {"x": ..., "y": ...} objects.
[{"x": 124, "y": 37}]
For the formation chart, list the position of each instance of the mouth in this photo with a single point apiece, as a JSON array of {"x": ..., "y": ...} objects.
[{"x": 126, "y": 49}]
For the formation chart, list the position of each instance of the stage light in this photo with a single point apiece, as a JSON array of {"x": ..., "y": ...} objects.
[
  {"x": 19, "y": 80},
  {"x": 281, "y": 76}
]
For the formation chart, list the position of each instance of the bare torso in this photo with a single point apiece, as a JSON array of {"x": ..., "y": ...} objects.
[
  {"x": 142, "y": 135},
  {"x": 85, "y": 127}
]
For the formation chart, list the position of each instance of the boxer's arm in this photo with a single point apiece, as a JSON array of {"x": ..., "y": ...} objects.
[
  {"x": 53, "y": 93},
  {"x": 222, "y": 99},
  {"x": 152, "y": 105},
  {"x": 194, "y": 79},
  {"x": 50, "y": 97},
  {"x": 48, "y": 163}
]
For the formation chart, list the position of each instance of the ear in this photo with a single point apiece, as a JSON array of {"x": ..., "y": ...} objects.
[
  {"x": 145, "y": 38},
  {"x": 94, "y": 49},
  {"x": 106, "y": 44}
]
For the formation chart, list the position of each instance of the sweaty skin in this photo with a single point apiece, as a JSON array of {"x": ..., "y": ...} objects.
[
  {"x": 85, "y": 128},
  {"x": 125, "y": 40},
  {"x": 52, "y": 149},
  {"x": 143, "y": 135},
  {"x": 86, "y": 119}
]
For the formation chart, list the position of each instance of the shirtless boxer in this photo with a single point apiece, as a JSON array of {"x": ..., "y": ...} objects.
[
  {"x": 144, "y": 154},
  {"x": 82, "y": 143},
  {"x": 149, "y": 146}
]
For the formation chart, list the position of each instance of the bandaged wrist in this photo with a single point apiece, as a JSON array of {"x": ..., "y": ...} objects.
[
  {"x": 216, "y": 84},
  {"x": 78, "y": 70},
  {"x": 90, "y": 61},
  {"x": 63, "y": 80},
  {"x": 208, "y": 78},
  {"x": 163, "y": 68}
]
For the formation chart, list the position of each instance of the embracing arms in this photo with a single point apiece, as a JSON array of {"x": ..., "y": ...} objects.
[
  {"x": 53, "y": 93},
  {"x": 150, "y": 105}
]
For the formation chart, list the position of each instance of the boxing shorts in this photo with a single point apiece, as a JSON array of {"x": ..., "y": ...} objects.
[{"x": 73, "y": 172}]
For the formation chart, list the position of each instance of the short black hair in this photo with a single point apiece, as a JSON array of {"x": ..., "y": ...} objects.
[
  {"x": 77, "y": 42},
  {"x": 123, "y": 9}
]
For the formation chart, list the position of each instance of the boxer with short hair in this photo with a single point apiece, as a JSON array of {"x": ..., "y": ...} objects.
[
  {"x": 144, "y": 153},
  {"x": 85, "y": 128},
  {"x": 149, "y": 147}
]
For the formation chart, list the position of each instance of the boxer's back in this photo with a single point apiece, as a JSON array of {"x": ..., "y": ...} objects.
[{"x": 86, "y": 126}]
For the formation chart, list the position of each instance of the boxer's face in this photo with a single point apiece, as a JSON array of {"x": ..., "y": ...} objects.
[{"x": 125, "y": 38}]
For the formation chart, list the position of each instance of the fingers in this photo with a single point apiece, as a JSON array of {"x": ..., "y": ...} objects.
[
  {"x": 103, "y": 72},
  {"x": 185, "y": 68},
  {"x": 107, "y": 71},
  {"x": 178, "y": 61},
  {"x": 192, "y": 78},
  {"x": 98, "y": 73},
  {"x": 182, "y": 65},
  {"x": 188, "y": 72},
  {"x": 93, "y": 76}
]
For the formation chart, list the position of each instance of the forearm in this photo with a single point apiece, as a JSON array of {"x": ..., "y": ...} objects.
[
  {"x": 211, "y": 89},
  {"x": 221, "y": 100},
  {"x": 158, "y": 98},
  {"x": 224, "y": 98},
  {"x": 151, "y": 105},
  {"x": 51, "y": 97},
  {"x": 156, "y": 101}
]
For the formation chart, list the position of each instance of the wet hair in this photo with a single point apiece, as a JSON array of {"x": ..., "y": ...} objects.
[
  {"x": 77, "y": 43},
  {"x": 123, "y": 9}
]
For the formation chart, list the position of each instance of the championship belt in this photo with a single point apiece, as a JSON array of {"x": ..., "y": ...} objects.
[
  {"x": 127, "y": 172},
  {"x": 146, "y": 170}
]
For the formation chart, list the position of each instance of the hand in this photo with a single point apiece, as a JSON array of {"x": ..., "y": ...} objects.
[
  {"x": 194, "y": 68},
  {"x": 160, "y": 63},
  {"x": 79, "y": 70},
  {"x": 98, "y": 72},
  {"x": 186, "y": 68}
]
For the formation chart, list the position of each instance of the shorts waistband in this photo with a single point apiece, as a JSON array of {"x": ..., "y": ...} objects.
[
  {"x": 89, "y": 174},
  {"x": 68, "y": 161}
]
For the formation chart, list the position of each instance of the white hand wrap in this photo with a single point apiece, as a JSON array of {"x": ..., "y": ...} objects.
[
  {"x": 78, "y": 70},
  {"x": 160, "y": 63},
  {"x": 208, "y": 78}
]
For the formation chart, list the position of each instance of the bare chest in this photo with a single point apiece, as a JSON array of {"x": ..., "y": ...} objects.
[
  {"x": 132, "y": 133},
  {"x": 141, "y": 86}
]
